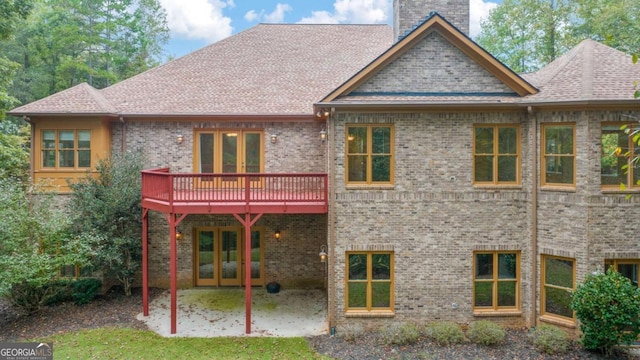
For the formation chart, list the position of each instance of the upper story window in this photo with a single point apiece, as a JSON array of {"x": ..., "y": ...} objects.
[
  {"x": 558, "y": 155},
  {"x": 496, "y": 155},
  {"x": 496, "y": 281},
  {"x": 66, "y": 149},
  {"x": 369, "y": 154},
  {"x": 616, "y": 162}
]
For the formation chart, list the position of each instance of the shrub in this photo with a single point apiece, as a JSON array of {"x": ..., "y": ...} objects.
[
  {"x": 28, "y": 297},
  {"x": 400, "y": 333},
  {"x": 61, "y": 292},
  {"x": 607, "y": 305},
  {"x": 351, "y": 332},
  {"x": 84, "y": 290},
  {"x": 445, "y": 332},
  {"x": 550, "y": 340},
  {"x": 485, "y": 333}
]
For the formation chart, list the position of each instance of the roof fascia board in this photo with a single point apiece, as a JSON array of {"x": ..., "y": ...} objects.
[{"x": 458, "y": 39}]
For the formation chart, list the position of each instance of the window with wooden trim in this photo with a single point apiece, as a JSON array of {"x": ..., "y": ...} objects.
[
  {"x": 558, "y": 155},
  {"x": 75, "y": 271},
  {"x": 66, "y": 149},
  {"x": 369, "y": 154},
  {"x": 229, "y": 151},
  {"x": 558, "y": 282},
  {"x": 617, "y": 168},
  {"x": 369, "y": 281},
  {"x": 496, "y": 281},
  {"x": 496, "y": 155},
  {"x": 627, "y": 267}
]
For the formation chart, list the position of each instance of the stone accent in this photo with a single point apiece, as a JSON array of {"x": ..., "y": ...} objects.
[{"x": 408, "y": 13}]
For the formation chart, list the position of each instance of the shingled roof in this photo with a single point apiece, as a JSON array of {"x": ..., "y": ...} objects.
[{"x": 266, "y": 70}]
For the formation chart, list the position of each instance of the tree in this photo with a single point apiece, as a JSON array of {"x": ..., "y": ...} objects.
[
  {"x": 608, "y": 307},
  {"x": 34, "y": 243},
  {"x": 14, "y": 151},
  {"x": 528, "y": 34},
  {"x": 108, "y": 207}
]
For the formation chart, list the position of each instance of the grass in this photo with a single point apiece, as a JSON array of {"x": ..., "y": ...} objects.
[{"x": 116, "y": 343}]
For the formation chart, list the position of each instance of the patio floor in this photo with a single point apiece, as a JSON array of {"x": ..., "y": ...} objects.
[{"x": 221, "y": 312}]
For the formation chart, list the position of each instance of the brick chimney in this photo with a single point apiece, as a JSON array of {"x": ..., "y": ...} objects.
[{"x": 407, "y": 13}]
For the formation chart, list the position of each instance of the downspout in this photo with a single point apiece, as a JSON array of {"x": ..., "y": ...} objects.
[
  {"x": 331, "y": 219},
  {"x": 124, "y": 135},
  {"x": 534, "y": 215},
  {"x": 32, "y": 146}
]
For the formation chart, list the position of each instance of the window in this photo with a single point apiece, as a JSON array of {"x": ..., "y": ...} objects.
[
  {"x": 558, "y": 281},
  {"x": 369, "y": 281},
  {"x": 66, "y": 149},
  {"x": 229, "y": 151},
  {"x": 616, "y": 162},
  {"x": 558, "y": 155},
  {"x": 496, "y": 281},
  {"x": 496, "y": 152},
  {"x": 75, "y": 271},
  {"x": 628, "y": 268},
  {"x": 369, "y": 154}
]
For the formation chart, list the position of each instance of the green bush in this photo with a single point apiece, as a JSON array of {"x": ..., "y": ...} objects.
[
  {"x": 85, "y": 290},
  {"x": 607, "y": 305},
  {"x": 61, "y": 291},
  {"x": 550, "y": 340},
  {"x": 399, "y": 333},
  {"x": 485, "y": 333},
  {"x": 28, "y": 297},
  {"x": 445, "y": 333},
  {"x": 351, "y": 332}
]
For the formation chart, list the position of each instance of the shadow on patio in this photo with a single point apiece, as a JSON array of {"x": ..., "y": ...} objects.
[{"x": 221, "y": 312}]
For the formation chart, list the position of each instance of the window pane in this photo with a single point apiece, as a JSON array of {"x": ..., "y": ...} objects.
[
  {"x": 381, "y": 166},
  {"x": 66, "y": 158},
  {"x": 68, "y": 271},
  {"x": 255, "y": 254},
  {"x": 507, "y": 141},
  {"x": 230, "y": 153},
  {"x": 357, "y": 168},
  {"x": 483, "y": 168},
  {"x": 357, "y": 266},
  {"x": 66, "y": 139},
  {"x": 84, "y": 158},
  {"x": 629, "y": 271},
  {"x": 507, "y": 168},
  {"x": 381, "y": 140},
  {"x": 483, "y": 293},
  {"x": 84, "y": 139},
  {"x": 381, "y": 294},
  {"x": 49, "y": 158},
  {"x": 381, "y": 266},
  {"x": 357, "y": 138},
  {"x": 484, "y": 141},
  {"x": 559, "y": 169},
  {"x": 206, "y": 153},
  {"x": 357, "y": 294},
  {"x": 557, "y": 302},
  {"x": 558, "y": 272},
  {"x": 484, "y": 266},
  {"x": 252, "y": 153},
  {"x": 559, "y": 140},
  {"x": 206, "y": 268},
  {"x": 48, "y": 139},
  {"x": 507, "y": 293},
  {"x": 507, "y": 266}
]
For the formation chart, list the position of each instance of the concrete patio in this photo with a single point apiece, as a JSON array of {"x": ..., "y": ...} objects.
[{"x": 221, "y": 312}]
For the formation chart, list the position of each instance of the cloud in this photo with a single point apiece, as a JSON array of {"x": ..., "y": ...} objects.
[
  {"x": 198, "y": 19},
  {"x": 276, "y": 16},
  {"x": 479, "y": 10},
  {"x": 353, "y": 12}
]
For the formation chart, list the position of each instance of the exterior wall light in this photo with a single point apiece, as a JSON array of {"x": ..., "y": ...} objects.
[
  {"x": 179, "y": 235},
  {"x": 179, "y": 138},
  {"x": 323, "y": 254},
  {"x": 323, "y": 134},
  {"x": 277, "y": 234},
  {"x": 274, "y": 138}
]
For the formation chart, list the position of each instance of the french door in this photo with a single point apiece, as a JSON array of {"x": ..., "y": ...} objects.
[
  {"x": 219, "y": 257},
  {"x": 228, "y": 152}
]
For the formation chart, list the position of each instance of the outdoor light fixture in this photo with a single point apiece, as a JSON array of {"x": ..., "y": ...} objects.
[
  {"x": 274, "y": 138},
  {"x": 179, "y": 235},
  {"x": 179, "y": 138},
  {"x": 277, "y": 234},
  {"x": 323, "y": 113},
  {"x": 323, "y": 254},
  {"x": 323, "y": 134}
]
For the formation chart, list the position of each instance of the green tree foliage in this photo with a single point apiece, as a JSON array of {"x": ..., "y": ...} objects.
[
  {"x": 528, "y": 34},
  {"x": 608, "y": 307},
  {"x": 14, "y": 151},
  {"x": 11, "y": 13},
  {"x": 108, "y": 207},
  {"x": 34, "y": 243}
]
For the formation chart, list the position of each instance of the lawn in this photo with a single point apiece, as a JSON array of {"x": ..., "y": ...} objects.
[{"x": 112, "y": 343}]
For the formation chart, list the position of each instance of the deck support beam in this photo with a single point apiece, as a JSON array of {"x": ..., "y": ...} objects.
[
  {"x": 247, "y": 222},
  {"x": 145, "y": 262},
  {"x": 173, "y": 266}
]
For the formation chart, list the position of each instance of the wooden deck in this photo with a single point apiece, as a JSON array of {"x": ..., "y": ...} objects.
[{"x": 234, "y": 193}]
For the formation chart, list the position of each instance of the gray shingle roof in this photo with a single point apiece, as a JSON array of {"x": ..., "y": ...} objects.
[
  {"x": 268, "y": 69},
  {"x": 80, "y": 99}
]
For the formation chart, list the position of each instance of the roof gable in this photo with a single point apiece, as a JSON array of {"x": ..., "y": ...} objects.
[
  {"x": 449, "y": 62},
  {"x": 80, "y": 99}
]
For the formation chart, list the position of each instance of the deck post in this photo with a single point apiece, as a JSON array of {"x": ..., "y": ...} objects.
[
  {"x": 145, "y": 262},
  {"x": 173, "y": 270},
  {"x": 247, "y": 270}
]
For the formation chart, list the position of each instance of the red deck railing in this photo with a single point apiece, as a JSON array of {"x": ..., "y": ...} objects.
[{"x": 164, "y": 186}]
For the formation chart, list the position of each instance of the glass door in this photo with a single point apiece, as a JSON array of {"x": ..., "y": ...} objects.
[
  {"x": 252, "y": 156},
  {"x": 230, "y": 257},
  {"x": 206, "y": 271}
]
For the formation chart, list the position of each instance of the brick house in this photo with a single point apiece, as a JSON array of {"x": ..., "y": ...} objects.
[{"x": 439, "y": 183}]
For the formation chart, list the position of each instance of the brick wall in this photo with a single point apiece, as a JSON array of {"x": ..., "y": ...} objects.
[{"x": 407, "y": 13}]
